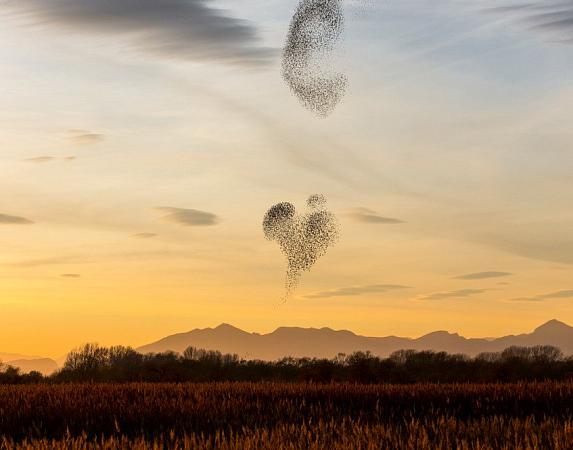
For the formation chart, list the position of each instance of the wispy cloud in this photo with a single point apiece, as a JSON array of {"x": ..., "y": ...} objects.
[
  {"x": 550, "y": 241},
  {"x": 7, "y": 219},
  {"x": 483, "y": 275},
  {"x": 71, "y": 275},
  {"x": 551, "y": 18},
  {"x": 543, "y": 297},
  {"x": 188, "y": 217},
  {"x": 357, "y": 290},
  {"x": 366, "y": 215},
  {"x": 85, "y": 137},
  {"x": 47, "y": 159},
  {"x": 184, "y": 29},
  {"x": 144, "y": 235},
  {"x": 30, "y": 263},
  {"x": 460, "y": 293}
]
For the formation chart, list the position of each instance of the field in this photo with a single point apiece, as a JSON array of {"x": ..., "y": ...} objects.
[{"x": 287, "y": 416}]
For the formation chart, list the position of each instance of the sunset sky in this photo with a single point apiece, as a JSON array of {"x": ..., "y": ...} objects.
[{"x": 141, "y": 145}]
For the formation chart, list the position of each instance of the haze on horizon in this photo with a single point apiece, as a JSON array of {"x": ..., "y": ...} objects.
[{"x": 139, "y": 154}]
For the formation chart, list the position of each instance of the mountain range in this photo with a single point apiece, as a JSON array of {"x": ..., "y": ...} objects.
[
  {"x": 324, "y": 343},
  {"x": 327, "y": 343}
]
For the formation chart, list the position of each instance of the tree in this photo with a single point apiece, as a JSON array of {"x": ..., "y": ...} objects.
[
  {"x": 87, "y": 361},
  {"x": 537, "y": 353}
]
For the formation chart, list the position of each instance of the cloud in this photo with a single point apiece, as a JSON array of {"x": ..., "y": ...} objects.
[
  {"x": 460, "y": 293},
  {"x": 543, "y": 297},
  {"x": 47, "y": 159},
  {"x": 71, "y": 275},
  {"x": 6, "y": 219},
  {"x": 552, "y": 18},
  {"x": 483, "y": 275},
  {"x": 192, "y": 30},
  {"x": 548, "y": 241},
  {"x": 144, "y": 235},
  {"x": 30, "y": 263},
  {"x": 84, "y": 137},
  {"x": 365, "y": 215},
  {"x": 357, "y": 290},
  {"x": 188, "y": 217}
]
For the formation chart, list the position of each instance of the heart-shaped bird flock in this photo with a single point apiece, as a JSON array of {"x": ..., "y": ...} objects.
[{"x": 303, "y": 238}]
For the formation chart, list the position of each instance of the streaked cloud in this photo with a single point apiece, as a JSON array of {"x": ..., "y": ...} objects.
[
  {"x": 460, "y": 293},
  {"x": 144, "y": 235},
  {"x": 30, "y": 263},
  {"x": 7, "y": 219},
  {"x": 549, "y": 241},
  {"x": 550, "y": 296},
  {"x": 71, "y": 275},
  {"x": 357, "y": 290},
  {"x": 188, "y": 217},
  {"x": 47, "y": 159},
  {"x": 85, "y": 137},
  {"x": 552, "y": 18},
  {"x": 195, "y": 30},
  {"x": 366, "y": 215},
  {"x": 483, "y": 275}
]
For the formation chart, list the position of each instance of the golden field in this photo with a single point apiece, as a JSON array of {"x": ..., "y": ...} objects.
[{"x": 287, "y": 416}]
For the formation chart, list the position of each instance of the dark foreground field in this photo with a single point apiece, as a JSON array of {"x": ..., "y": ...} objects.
[{"x": 287, "y": 416}]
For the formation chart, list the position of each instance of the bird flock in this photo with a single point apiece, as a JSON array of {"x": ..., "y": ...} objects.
[
  {"x": 314, "y": 31},
  {"x": 303, "y": 238}
]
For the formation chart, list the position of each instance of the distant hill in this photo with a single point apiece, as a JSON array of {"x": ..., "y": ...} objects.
[
  {"x": 327, "y": 343},
  {"x": 45, "y": 366},
  {"x": 11, "y": 356},
  {"x": 322, "y": 343},
  {"x": 27, "y": 363}
]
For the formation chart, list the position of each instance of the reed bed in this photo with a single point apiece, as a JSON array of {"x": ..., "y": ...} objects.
[{"x": 287, "y": 416}]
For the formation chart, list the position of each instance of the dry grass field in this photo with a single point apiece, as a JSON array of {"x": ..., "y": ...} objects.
[{"x": 287, "y": 416}]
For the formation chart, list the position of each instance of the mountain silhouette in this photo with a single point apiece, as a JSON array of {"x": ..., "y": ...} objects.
[
  {"x": 322, "y": 343},
  {"x": 27, "y": 363},
  {"x": 327, "y": 343},
  {"x": 45, "y": 366},
  {"x": 12, "y": 356}
]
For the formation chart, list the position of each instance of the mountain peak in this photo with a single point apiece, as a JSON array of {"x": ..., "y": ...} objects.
[
  {"x": 225, "y": 325},
  {"x": 228, "y": 328},
  {"x": 553, "y": 326},
  {"x": 440, "y": 334}
]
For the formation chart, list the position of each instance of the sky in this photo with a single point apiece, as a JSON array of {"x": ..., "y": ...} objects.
[{"x": 142, "y": 142}]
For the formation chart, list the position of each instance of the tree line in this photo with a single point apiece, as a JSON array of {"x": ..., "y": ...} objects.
[{"x": 93, "y": 363}]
